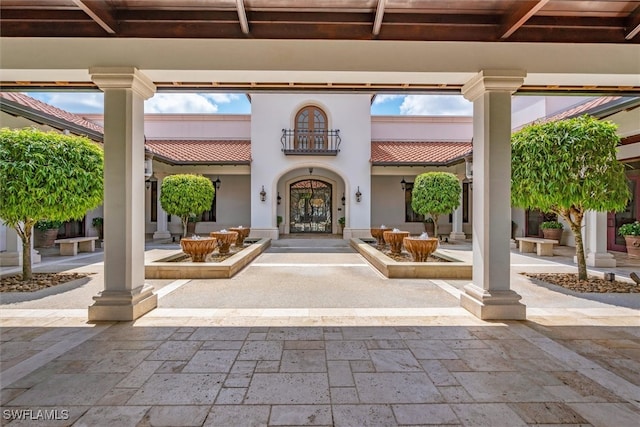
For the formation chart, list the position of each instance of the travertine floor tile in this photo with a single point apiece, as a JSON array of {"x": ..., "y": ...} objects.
[{"x": 288, "y": 388}]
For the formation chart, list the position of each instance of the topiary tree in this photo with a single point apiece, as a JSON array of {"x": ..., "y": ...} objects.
[
  {"x": 46, "y": 175},
  {"x": 568, "y": 167},
  {"x": 186, "y": 195},
  {"x": 434, "y": 194}
]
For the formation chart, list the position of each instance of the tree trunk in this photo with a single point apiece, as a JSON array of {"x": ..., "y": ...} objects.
[
  {"x": 574, "y": 218},
  {"x": 435, "y": 225},
  {"x": 26, "y": 258},
  {"x": 25, "y": 235},
  {"x": 184, "y": 226}
]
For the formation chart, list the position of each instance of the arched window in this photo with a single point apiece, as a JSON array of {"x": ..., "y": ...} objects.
[{"x": 311, "y": 129}]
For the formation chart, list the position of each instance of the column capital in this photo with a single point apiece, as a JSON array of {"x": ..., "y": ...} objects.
[
  {"x": 123, "y": 78},
  {"x": 493, "y": 81}
]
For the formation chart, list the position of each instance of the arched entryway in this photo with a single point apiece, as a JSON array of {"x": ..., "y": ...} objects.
[{"x": 310, "y": 208}]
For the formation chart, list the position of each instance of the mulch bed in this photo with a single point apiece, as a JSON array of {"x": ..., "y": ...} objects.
[
  {"x": 39, "y": 281},
  {"x": 592, "y": 284}
]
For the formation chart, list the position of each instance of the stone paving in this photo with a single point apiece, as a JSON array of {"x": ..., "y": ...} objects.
[{"x": 574, "y": 362}]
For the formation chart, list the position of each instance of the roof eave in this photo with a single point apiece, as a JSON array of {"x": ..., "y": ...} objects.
[{"x": 19, "y": 110}]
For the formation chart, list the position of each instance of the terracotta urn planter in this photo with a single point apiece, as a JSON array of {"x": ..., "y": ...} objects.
[
  {"x": 552, "y": 233},
  {"x": 394, "y": 239},
  {"x": 420, "y": 248},
  {"x": 225, "y": 239},
  {"x": 243, "y": 233},
  {"x": 633, "y": 246},
  {"x": 378, "y": 234},
  {"x": 198, "y": 248}
]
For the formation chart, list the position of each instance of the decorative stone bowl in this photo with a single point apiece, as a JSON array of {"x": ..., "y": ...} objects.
[
  {"x": 420, "y": 248},
  {"x": 225, "y": 239},
  {"x": 378, "y": 234},
  {"x": 198, "y": 248},
  {"x": 394, "y": 239},
  {"x": 243, "y": 233}
]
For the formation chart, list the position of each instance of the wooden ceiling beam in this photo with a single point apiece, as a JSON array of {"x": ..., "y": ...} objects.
[
  {"x": 242, "y": 16},
  {"x": 633, "y": 24},
  {"x": 101, "y": 13},
  {"x": 517, "y": 19},
  {"x": 377, "y": 21}
]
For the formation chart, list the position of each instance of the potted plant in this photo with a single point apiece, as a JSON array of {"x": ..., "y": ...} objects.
[
  {"x": 552, "y": 230},
  {"x": 631, "y": 233},
  {"x": 98, "y": 223},
  {"x": 341, "y": 221},
  {"x": 46, "y": 233}
]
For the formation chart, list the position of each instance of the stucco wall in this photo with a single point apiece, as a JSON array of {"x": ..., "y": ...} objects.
[
  {"x": 416, "y": 128},
  {"x": 271, "y": 113}
]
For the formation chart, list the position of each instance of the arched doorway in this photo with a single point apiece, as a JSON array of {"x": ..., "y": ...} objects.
[{"x": 310, "y": 206}]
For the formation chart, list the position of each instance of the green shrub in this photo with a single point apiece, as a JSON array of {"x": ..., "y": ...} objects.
[
  {"x": 45, "y": 224},
  {"x": 551, "y": 224},
  {"x": 632, "y": 229}
]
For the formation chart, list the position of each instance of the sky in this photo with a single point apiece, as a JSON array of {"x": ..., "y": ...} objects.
[{"x": 238, "y": 103}]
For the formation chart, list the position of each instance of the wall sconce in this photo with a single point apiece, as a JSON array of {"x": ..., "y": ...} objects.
[
  {"x": 358, "y": 194},
  {"x": 344, "y": 199},
  {"x": 263, "y": 194},
  {"x": 279, "y": 198},
  {"x": 403, "y": 184},
  {"x": 218, "y": 183},
  {"x": 468, "y": 167},
  {"x": 149, "y": 180}
]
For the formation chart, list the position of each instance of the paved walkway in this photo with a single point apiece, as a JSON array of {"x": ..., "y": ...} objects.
[{"x": 314, "y": 336}]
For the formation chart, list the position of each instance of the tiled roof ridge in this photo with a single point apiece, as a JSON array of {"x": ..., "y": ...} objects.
[{"x": 37, "y": 105}]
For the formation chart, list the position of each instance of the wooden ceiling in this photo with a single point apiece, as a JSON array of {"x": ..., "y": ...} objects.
[{"x": 546, "y": 21}]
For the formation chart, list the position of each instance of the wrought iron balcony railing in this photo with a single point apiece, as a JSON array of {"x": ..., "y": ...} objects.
[{"x": 310, "y": 142}]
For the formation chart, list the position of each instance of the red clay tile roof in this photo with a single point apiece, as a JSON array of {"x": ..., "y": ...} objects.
[
  {"x": 580, "y": 109},
  {"x": 418, "y": 152},
  {"x": 182, "y": 152},
  {"x": 58, "y": 113}
]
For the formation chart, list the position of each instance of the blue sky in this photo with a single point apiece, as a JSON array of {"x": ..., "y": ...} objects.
[{"x": 237, "y": 103}]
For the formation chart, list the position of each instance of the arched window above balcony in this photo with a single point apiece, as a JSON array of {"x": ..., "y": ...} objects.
[
  {"x": 311, "y": 134},
  {"x": 311, "y": 129}
]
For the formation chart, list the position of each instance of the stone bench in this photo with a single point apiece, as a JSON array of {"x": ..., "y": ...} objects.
[
  {"x": 544, "y": 247},
  {"x": 73, "y": 245}
]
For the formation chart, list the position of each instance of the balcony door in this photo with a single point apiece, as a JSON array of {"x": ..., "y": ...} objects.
[
  {"x": 311, "y": 129},
  {"x": 310, "y": 208}
]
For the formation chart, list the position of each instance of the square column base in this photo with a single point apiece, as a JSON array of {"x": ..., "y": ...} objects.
[
  {"x": 599, "y": 259},
  {"x": 123, "y": 306},
  {"x": 457, "y": 236},
  {"x": 493, "y": 305},
  {"x": 161, "y": 235}
]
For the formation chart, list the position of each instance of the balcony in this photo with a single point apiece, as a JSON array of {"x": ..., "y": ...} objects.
[{"x": 309, "y": 142}]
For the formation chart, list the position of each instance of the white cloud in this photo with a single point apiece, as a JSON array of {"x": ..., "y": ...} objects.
[
  {"x": 221, "y": 98},
  {"x": 436, "y": 105},
  {"x": 180, "y": 103},
  {"x": 73, "y": 102},
  {"x": 381, "y": 98}
]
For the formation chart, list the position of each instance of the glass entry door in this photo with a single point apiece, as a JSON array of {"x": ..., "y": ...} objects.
[{"x": 310, "y": 209}]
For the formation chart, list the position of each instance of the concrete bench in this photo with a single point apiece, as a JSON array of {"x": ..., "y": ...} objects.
[
  {"x": 544, "y": 247},
  {"x": 73, "y": 245}
]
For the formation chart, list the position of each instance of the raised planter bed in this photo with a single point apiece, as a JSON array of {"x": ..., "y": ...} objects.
[
  {"x": 452, "y": 269},
  {"x": 165, "y": 267}
]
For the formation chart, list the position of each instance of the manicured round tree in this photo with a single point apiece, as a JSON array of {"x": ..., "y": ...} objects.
[
  {"x": 186, "y": 195},
  {"x": 435, "y": 194},
  {"x": 46, "y": 175},
  {"x": 568, "y": 167}
]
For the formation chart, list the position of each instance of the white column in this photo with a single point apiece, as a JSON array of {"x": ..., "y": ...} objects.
[
  {"x": 456, "y": 229},
  {"x": 490, "y": 296},
  {"x": 12, "y": 254},
  {"x": 162, "y": 229},
  {"x": 125, "y": 296},
  {"x": 596, "y": 240}
]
